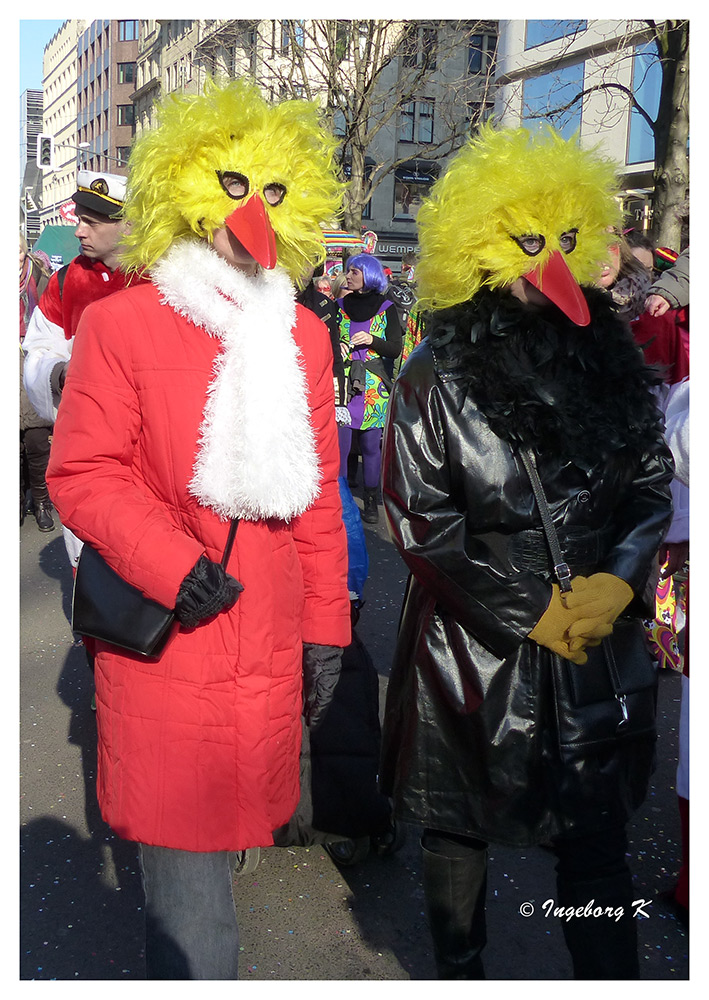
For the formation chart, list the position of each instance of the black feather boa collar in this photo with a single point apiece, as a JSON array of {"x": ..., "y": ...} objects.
[{"x": 577, "y": 393}]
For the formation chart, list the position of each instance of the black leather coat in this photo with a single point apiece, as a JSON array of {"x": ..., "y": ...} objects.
[{"x": 469, "y": 744}]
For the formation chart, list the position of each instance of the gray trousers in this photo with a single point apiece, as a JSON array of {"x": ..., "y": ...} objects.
[{"x": 190, "y": 917}]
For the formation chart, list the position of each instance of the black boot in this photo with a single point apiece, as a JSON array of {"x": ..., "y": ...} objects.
[
  {"x": 454, "y": 890},
  {"x": 601, "y": 947},
  {"x": 43, "y": 514},
  {"x": 370, "y": 513}
]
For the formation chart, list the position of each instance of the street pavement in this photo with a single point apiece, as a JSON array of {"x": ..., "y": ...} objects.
[{"x": 300, "y": 916}]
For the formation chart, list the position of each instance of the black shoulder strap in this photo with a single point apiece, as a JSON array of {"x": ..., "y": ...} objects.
[
  {"x": 561, "y": 569},
  {"x": 230, "y": 541},
  {"x": 61, "y": 278}
]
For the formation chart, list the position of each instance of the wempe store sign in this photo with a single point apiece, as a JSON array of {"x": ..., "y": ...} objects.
[{"x": 396, "y": 249}]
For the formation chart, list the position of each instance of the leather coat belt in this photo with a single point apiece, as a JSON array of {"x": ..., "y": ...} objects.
[{"x": 583, "y": 548}]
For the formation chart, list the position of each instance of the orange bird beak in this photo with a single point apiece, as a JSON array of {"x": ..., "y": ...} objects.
[
  {"x": 559, "y": 285},
  {"x": 252, "y": 228}
]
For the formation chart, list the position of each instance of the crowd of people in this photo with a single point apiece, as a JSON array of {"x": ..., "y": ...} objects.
[{"x": 195, "y": 367}]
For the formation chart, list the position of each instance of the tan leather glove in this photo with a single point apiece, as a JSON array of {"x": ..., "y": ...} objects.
[
  {"x": 552, "y": 629},
  {"x": 596, "y": 602}
]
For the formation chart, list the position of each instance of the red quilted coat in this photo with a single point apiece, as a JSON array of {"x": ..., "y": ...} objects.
[{"x": 200, "y": 749}]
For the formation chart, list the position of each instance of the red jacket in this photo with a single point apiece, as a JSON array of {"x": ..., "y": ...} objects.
[
  {"x": 85, "y": 281},
  {"x": 199, "y": 750}
]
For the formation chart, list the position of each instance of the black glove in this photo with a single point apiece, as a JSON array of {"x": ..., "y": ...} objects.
[
  {"x": 206, "y": 590},
  {"x": 321, "y": 672}
]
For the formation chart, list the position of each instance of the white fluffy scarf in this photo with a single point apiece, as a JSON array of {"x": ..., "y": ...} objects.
[{"x": 256, "y": 457}]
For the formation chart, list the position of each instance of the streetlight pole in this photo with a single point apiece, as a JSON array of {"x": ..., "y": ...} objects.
[{"x": 79, "y": 148}]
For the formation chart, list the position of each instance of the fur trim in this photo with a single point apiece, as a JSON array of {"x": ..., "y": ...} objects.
[
  {"x": 576, "y": 393},
  {"x": 256, "y": 457}
]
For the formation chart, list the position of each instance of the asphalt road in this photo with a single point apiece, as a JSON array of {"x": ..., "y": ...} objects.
[{"x": 300, "y": 916}]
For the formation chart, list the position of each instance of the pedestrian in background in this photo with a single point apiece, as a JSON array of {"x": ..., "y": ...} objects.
[
  {"x": 642, "y": 248},
  {"x": 35, "y": 431},
  {"x": 92, "y": 275},
  {"x": 370, "y": 335},
  {"x": 316, "y": 295}
]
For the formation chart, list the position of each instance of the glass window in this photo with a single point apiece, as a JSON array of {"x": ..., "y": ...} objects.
[
  {"x": 122, "y": 154},
  {"x": 411, "y": 186},
  {"x": 126, "y": 72},
  {"x": 647, "y": 80},
  {"x": 126, "y": 114},
  {"x": 425, "y": 123},
  {"x": 429, "y": 44},
  {"x": 539, "y": 32},
  {"x": 418, "y": 47},
  {"x": 475, "y": 54},
  {"x": 127, "y": 31},
  {"x": 409, "y": 48},
  {"x": 549, "y": 97},
  {"x": 481, "y": 52},
  {"x": 416, "y": 121},
  {"x": 407, "y": 117}
]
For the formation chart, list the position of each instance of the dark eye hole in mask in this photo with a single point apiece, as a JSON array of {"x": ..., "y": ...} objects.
[
  {"x": 531, "y": 244},
  {"x": 567, "y": 240},
  {"x": 236, "y": 185}
]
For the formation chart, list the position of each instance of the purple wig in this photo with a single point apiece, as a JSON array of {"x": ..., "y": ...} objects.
[{"x": 375, "y": 280}]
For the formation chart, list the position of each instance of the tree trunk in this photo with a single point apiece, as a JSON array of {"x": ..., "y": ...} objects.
[
  {"x": 355, "y": 192},
  {"x": 671, "y": 173}
]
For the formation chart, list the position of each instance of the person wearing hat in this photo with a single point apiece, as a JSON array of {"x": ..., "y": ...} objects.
[
  {"x": 671, "y": 288},
  {"x": 92, "y": 275},
  {"x": 95, "y": 273}
]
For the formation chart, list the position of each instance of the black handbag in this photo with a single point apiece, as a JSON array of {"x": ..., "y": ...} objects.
[
  {"x": 108, "y": 608},
  {"x": 613, "y": 696}
]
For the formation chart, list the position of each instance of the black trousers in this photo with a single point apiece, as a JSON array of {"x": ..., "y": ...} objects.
[
  {"x": 594, "y": 884},
  {"x": 34, "y": 458}
]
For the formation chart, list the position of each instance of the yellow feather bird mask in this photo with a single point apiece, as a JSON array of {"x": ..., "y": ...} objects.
[
  {"x": 229, "y": 158},
  {"x": 513, "y": 204}
]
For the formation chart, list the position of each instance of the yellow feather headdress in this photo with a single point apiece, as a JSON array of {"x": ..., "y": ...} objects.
[
  {"x": 174, "y": 190},
  {"x": 505, "y": 184}
]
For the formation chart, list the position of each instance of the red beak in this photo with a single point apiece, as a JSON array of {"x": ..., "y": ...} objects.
[
  {"x": 251, "y": 226},
  {"x": 559, "y": 285}
]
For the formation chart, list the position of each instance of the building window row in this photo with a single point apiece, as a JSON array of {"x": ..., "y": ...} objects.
[
  {"x": 541, "y": 32},
  {"x": 556, "y": 98}
]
